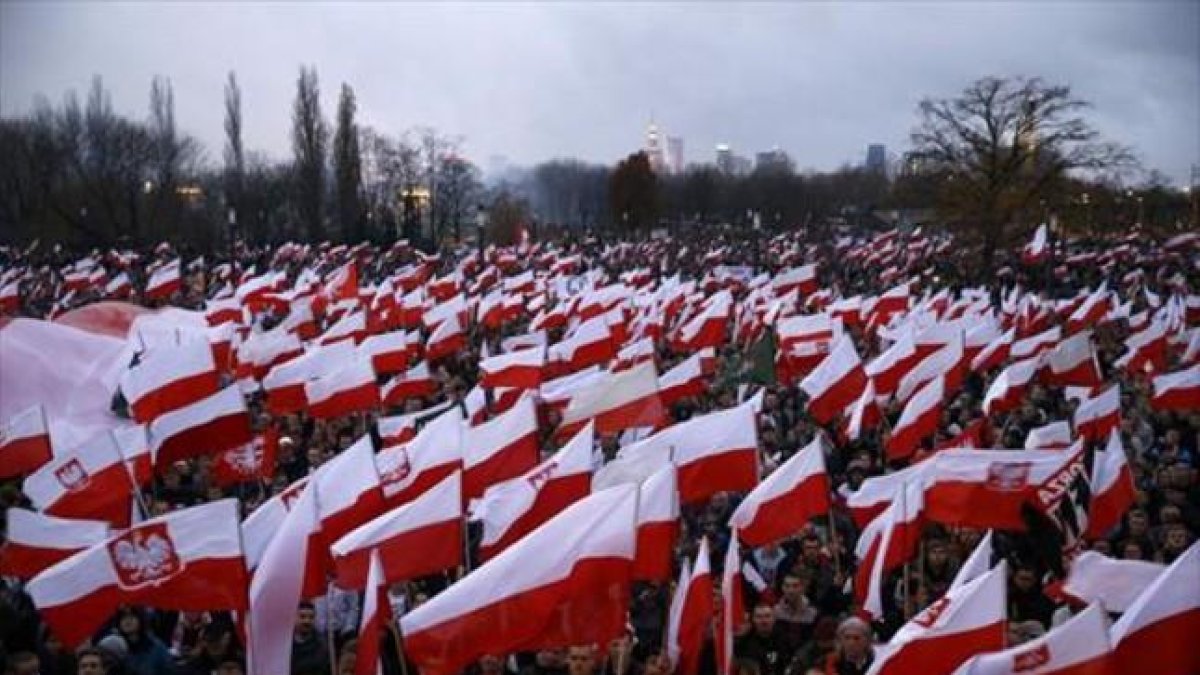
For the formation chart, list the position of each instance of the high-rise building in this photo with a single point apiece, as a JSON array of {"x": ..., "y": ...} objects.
[
  {"x": 654, "y": 149},
  {"x": 724, "y": 158},
  {"x": 772, "y": 159},
  {"x": 877, "y": 158},
  {"x": 675, "y": 154}
]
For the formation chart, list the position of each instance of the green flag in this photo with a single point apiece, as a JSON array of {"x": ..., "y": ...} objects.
[{"x": 759, "y": 366}]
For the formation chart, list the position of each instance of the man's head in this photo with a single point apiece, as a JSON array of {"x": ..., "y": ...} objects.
[
  {"x": 793, "y": 589},
  {"x": 811, "y": 548},
  {"x": 23, "y": 663},
  {"x": 306, "y": 620},
  {"x": 581, "y": 660},
  {"x": 763, "y": 619},
  {"x": 90, "y": 661},
  {"x": 854, "y": 638},
  {"x": 551, "y": 658},
  {"x": 1024, "y": 578}
]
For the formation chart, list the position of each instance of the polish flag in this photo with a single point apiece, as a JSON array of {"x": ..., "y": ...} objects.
[
  {"x": 133, "y": 442},
  {"x": 514, "y": 508},
  {"x": 89, "y": 481},
  {"x": 252, "y": 462},
  {"x": 342, "y": 283},
  {"x": 285, "y": 383},
  {"x": 447, "y": 339},
  {"x": 164, "y": 282},
  {"x": 400, "y": 429},
  {"x": 733, "y": 607},
  {"x": 521, "y": 369},
  {"x": 708, "y": 328},
  {"x": 995, "y": 353},
  {"x": 1177, "y": 391},
  {"x": 263, "y": 351},
  {"x": 919, "y": 421},
  {"x": 1035, "y": 345},
  {"x": 387, "y": 352},
  {"x": 35, "y": 541},
  {"x": 591, "y": 343},
  {"x": 785, "y": 501},
  {"x": 376, "y": 619},
  {"x": 217, "y": 312},
  {"x": 1115, "y": 584},
  {"x": 169, "y": 378},
  {"x": 1097, "y": 416},
  {"x": 795, "y": 330},
  {"x": 634, "y": 353},
  {"x": 1081, "y": 646},
  {"x": 1073, "y": 362},
  {"x": 616, "y": 402},
  {"x": 978, "y": 564},
  {"x": 657, "y": 525},
  {"x": 348, "y": 490},
  {"x": 889, "y": 367},
  {"x": 695, "y": 616},
  {"x": 967, "y": 620},
  {"x": 1091, "y": 310},
  {"x": 500, "y": 449},
  {"x": 118, "y": 287},
  {"x": 886, "y": 543},
  {"x": 579, "y": 595},
  {"x": 864, "y": 414},
  {"x": 803, "y": 278},
  {"x": 210, "y": 425},
  {"x": 875, "y": 494},
  {"x": 189, "y": 560},
  {"x": 836, "y": 383},
  {"x": 1053, "y": 436},
  {"x": 352, "y": 327},
  {"x": 431, "y": 524},
  {"x": 408, "y": 471},
  {"x": 1010, "y": 387},
  {"x": 1037, "y": 249},
  {"x": 1113, "y": 492},
  {"x": 24, "y": 442},
  {"x": 416, "y": 382},
  {"x": 1157, "y": 633},
  {"x": 349, "y": 389},
  {"x": 946, "y": 363},
  {"x": 1147, "y": 350},
  {"x": 717, "y": 452},
  {"x": 684, "y": 380}
]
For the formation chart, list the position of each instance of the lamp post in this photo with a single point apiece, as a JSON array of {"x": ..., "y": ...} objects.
[{"x": 481, "y": 220}]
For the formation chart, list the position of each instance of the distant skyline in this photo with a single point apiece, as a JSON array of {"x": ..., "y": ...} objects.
[{"x": 532, "y": 82}]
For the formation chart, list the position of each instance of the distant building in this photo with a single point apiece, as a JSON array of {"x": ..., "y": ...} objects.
[
  {"x": 654, "y": 149},
  {"x": 877, "y": 158},
  {"x": 675, "y": 154},
  {"x": 772, "y": 159},
  {"x": 724, "y": 158}
]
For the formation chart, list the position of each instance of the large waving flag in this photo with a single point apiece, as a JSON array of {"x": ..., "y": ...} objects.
[
  {"x": 1157, "y": 633},
  {"x": 1080, "y": 646},
  {"x": 564, "y": 584},
  {"x": 836, "y": 383},
  {"x": 210, "y": 425},
  {"x": 782, "y": 504},
  {"x": 170, "y": 377},
  {"x": 500, "y": 449},
  {"x": 89, "y": 481},
  {"x": 24, "y": 442},
  {"x": 35, "y": 541}
]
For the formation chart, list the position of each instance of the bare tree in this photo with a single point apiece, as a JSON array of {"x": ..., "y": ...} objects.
[
  {"x": 309, "y": 138},
  {"x": 235, "y": 157},
  {"x": 347, "y": 168}
]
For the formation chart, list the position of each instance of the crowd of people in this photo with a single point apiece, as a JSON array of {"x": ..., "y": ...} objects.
[{"x": 801, "y": 614}]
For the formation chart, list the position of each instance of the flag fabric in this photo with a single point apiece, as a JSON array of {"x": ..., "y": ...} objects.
[
  {"x": 619, "y": 401},
  {"x": 1179, "y": 390},
  {"x": 1037, "y": 249},
  {"x": 977, "y": 564},
  {"x": 1081, "y": 646},
  {"x": 432, "y": 524},
  {"x": 416, "y": 382},
  {"x": 886, "y": 543},
  {"x": 500, "y": 449},
  {"x": 1115, "y": 584},
  {"x": 863, "y": 415},
  {"x": 387, "y": 352},
  {"x": 445, "y": 340},
  {"x": 835, "y": 383},
  {"x": 514, "y": 508},
  {"x": 164, "y": 282},
  {"x": 210, "y": 425},
  {"x": 170, "y": 377},
  {"x": 918, "y": 421},
  {"x": 733, "y": 606},
  {"x": 1052, "y": 436},
  {"x": 783, "y": 503},
  {"x": 24, "y": 442},
  {"x": 1113, "y": 492},
  {"x": 188, "y": 560},
  {"x": 89, "y": 481},
  {"x": 525, "y": 599},
  {"x": 254, "y": 461},
  {"x": 695, "y": 615},
  {"x": 967, "y": 620},
  {"x": 657, "y": 525},
  {"x": 35, "y": 541},
  {"x": 376, "y": 619},
  {"x": 1010, "y": 387},
  {"x": 520, "y": 369},
  {"x": 349, "y": 389},
  {"x": 1098, "y": 415},
  {"x": 684, "y": 380},
  {"x": 1157, "y": 633},
  {"x": 1072, "y": 362},
  {"x": 717, "y": 452},
  {"x": 407, "y": 471}
]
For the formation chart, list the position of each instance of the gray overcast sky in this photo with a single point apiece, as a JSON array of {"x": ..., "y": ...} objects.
[{"x": 533, "y": 81}]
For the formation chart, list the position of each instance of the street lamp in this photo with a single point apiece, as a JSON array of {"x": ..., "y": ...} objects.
[{"x": 481, "y": 221}]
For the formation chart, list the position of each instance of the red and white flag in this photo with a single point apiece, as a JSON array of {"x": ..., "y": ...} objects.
[
  {"x": 1052, "y": 436},
  {"x": 1115, "y": 584},
  {"x": 1113, "y": 492},
  {"x": 24, "y": 442},
  {"x": 995, "y": 353},
  {"x": 416, "y": 382},
  {"x": 447, "y": 339},
  {"x": 887, "y": 368},
  {"x": 210, "y": 425},
  {"x": 657, "y": 525},
  {"x": 1177, "y": 391},
  {"x": 376, "y": 619},
  {"x": 616, "y": 402},
  {"x": 579, "y": 595},
  {"x": 684, "y": 380},
  {"x": 348, "y": 491},
  {"x": 1080, "y": 646},
  {"x": 864, "y": 414},
  {"x": 886, "y": 543},
  {"x": 948, "y": 363},
  {"x": 1037, "y": 249},
  {"x": 966, "y": 621},
  {"x": 252, "y": 462},
  {"x": 521, "y": 369},
  {"x": 717, "y": 452},
  {"x": 189, "y": 560},
  {"x": 89, "y": 481},
  {"x": 285, "y": 383},
  {"x": 784, "y": 502},
  {"x": 170, "y": 377},
  {"x": 35, "y": 541},
  {"x": 431, "y": 524},
  {"x": 514, "y": 508},
  {"x": 685, "y": 635},
  {"x": 634, "y": 353},
  {"x": 1073, "y": 362},
  {"x": 407, "y": 471},
  {"x": 349, "y": 389},
  {"x": 387, "y": 352},
  {"x": 708, "y": 328},
  {"x": 500, "y": 449},
  {"x": 400, "y": 429},
  {"x": 164, "y": 282},
  {"x": 733, "y": 607},
  {"x": 1157, "y": 633},
  {"x": 836, "y": 383},
  {"x": 919, "y": 421},
  {"x": 978, "y": 564},
  {"x": 1010, "y": 387},
  {"x": 1030, "y": 347},
  {"x": 1098, "y": 415}
]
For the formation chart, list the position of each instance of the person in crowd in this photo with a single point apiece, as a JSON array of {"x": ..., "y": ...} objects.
[
  {"x": 854, "y": 653},
  {"x": 310, "y": 654}
]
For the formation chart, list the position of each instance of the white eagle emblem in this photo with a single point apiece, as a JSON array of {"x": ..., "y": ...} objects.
[
  {"x": 246, "y": 460},
  {"x": 399, "y": 469},
  {"x": 72, "y": 476},
  {"x": 144, "y": 556}
]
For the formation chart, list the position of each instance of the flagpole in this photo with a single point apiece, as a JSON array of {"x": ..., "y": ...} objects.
[{"x": 394, "y": 629}]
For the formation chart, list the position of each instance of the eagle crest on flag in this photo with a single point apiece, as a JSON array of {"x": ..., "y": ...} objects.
[
  {"x": 399, "y": 471},
  {"x": 540, "y": 478},
  {"x": 1031, "y": 659},
  {"x": 246, "y": 460},
  {"x": 143, "y": 556},
  {"x": 72, "y": 476}
]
